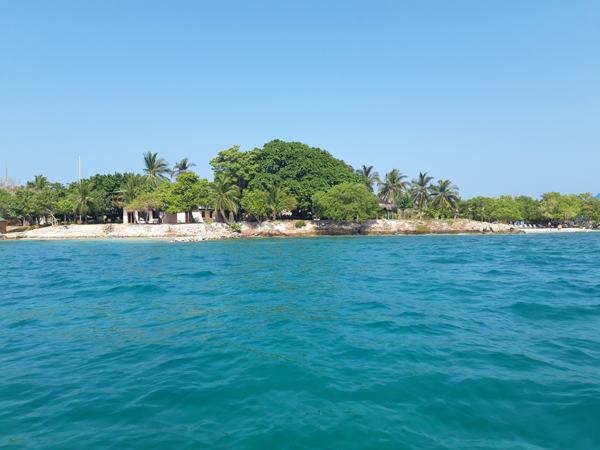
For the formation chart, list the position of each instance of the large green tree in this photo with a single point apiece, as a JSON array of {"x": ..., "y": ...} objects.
[
  {"x": 188, "y": 193},
  {"x": 302, "y": 169},
  {"x": 346, "y": 201},
  {"x": 255, "y": 203}
]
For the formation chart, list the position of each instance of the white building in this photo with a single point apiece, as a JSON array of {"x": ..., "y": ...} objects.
[{"x": 197, "y": 216}]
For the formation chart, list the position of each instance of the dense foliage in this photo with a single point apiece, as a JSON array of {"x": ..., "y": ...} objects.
[
  {"x": 346, "y": 201},
  {"x": 553, "y": 207},
  {"x": 302, "y": 169}
]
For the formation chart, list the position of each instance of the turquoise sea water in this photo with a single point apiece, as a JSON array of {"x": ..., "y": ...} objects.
[{"x": 424, "y": 342}]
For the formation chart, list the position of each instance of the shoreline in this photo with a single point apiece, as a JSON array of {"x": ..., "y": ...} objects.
[{"x": 215, "y": 231}]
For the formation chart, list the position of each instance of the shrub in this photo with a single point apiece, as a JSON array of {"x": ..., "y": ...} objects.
[
  {"x": 300, "y": 224},
  {"x": 208, "y": 221},
  {"x": 235, "y": 227},
  {"x": 450, "y": 222},
  {"x": 422, "y": 228},
  {"x": 346, "y": 201}
]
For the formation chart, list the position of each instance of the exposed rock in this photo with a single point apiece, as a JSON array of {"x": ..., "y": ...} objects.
[{"x": 202, "y": 232}]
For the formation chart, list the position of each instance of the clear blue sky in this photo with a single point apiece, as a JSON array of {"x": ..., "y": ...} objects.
[{"x": 501, "y": 97}]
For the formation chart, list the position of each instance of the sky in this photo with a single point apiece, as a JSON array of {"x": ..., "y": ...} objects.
[{"x": 501, "y": 97}]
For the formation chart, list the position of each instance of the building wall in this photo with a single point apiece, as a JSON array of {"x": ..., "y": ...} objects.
[
  {"x": 3, "y": 227},
  {"x": 169, "y": 218},
  {"x": 172, "y": 217}
]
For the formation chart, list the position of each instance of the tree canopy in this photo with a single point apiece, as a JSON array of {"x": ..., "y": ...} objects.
[
  {"x": 302, "y": 169},
  {"x": 346, "y": 201}
]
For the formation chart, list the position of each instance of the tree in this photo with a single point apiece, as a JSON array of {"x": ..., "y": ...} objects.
[
  {"x": 150, "y": 201},
  {"x": 304, "y": 170},
  {"x": 346, "y": 201},
  {"x": 420, "y": 191},
  {"x": 155, "y": 168},
  {"x": 83, "y": 201},
  {"x": 393, "y": 186},
  {"x": 189, "y": 192},
  {"x": 504, "y": 208},
  {"x": 404, "y": 202},
  {"x": 5, "y": 200},
  {"x": 255, "y": 203},
  {"x": 182, "y": 166},
  {"x": 132, "y": 186},
  {"x": 236, "y": 164},
  {"x": 39, "y": 184},
  {"x": 226, "y": 195},
  {"x": 278, "y": 200},
  {"x": 368, "y": 174},
  {"x": 444, "y": 195}
]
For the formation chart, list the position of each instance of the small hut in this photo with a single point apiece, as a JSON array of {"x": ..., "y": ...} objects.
[
  {"x": 2, "y": 226},
  {"x": 387, "y": 206}
]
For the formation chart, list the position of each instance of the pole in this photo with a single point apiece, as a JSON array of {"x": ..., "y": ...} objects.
[{"x": 80, "y": 183}]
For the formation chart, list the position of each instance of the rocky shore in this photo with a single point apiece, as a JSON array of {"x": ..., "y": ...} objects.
[{"x": 201, "y": 232}]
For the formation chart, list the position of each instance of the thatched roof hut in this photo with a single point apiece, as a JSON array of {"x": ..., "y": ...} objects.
[{"x": 387, "y": 205}]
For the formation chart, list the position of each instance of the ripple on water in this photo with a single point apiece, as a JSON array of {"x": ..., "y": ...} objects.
[{"x": 479, "y": 342}]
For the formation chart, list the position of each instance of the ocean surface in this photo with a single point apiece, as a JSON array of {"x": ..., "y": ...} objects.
[{"x": 400, "y": 342}]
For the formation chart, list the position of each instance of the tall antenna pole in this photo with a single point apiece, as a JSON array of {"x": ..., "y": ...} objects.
[
  {"x": 79, "y": 169},
  {"x": 6, "y": 179}
]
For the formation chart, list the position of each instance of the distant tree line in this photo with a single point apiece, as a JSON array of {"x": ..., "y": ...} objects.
[{"x": 281, "y": 179}]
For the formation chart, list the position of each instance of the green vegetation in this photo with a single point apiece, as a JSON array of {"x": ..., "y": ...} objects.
[
  {"x": 83, "y": 200},
  {"x": 226, "y": 195},
  {"x": 287, "y": 180},
  {"x": 188, "y": 193},
  {"x": 347, "y": 201},
  {"x": 368, "y": 174},
  {"x": 302, "y": 169},
  {"x": 420, "y": 190},
  {"x": 392, "y": 187},
  {"x": 422, "y": 228},
  {"x": 156, "y": 169},
  {"x": 235, "y": 227},
  {"x": 404, "y": 202},
  {"x": 300, "y": 224}
]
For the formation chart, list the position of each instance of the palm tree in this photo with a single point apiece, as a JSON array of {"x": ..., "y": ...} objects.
[
  {"x": 39, "y": 184},
  {"x": 368, "y": 173},
  {"x": 279, "y": 200},
  {"x": 420, "y": 189},
  {"x": 444, "y": 195},
  {"x": 227, "y": 194},
  {"x": 182, "y": 166},
  {"x": 83, "y": 202},
  {"x": 133, "y": 182},
  {"x": 155, "y": 168},
  {"x": 392, "y": 187}
]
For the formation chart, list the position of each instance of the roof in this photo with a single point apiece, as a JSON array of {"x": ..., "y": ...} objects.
[
  {"x": 386, "y": 205},
  {"x": 2, "y": 220}
]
